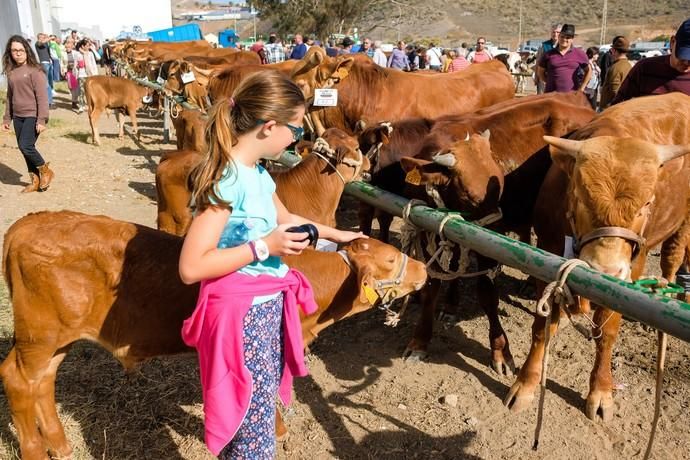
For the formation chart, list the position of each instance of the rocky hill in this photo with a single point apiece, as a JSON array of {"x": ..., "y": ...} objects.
[{"x": 498, "y": 20}]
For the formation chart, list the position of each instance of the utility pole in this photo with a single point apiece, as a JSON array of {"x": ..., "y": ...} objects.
[
  {"x": 604, "y": 13},
  {"x": 520, "y": 29}
]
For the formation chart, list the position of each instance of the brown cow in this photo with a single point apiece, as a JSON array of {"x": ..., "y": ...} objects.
[
  {"x": 190, "y": 81},
  {"x": 117, "y": 93},
  {"x": 223, "y": 83},
  {"x": 482, "y": 174},
  {"x": 371, "y": 93},
  {"x": 189, "y": 130},
  {"x": 125, "y": 294},
  {"x": 312, "y": 189},
  {"x": 620, "y": 174}
]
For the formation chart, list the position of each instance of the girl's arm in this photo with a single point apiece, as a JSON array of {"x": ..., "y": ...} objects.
[
  {"x": 201, "y": 259},
  {"x": 288, "y": 219}
]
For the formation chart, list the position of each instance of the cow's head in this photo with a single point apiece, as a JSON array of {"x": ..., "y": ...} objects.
[
  {"x": 383, "y": 272},
  {"x": 342, "y": 153},
  {"x": 373, "y": 139},
  {"x": 611, "y": 194},
  {"x": 463, "y": 172},
  {"x": 317, "y": 70}
]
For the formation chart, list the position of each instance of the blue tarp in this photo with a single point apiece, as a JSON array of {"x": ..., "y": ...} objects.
[{"x": 177, "y": 34}]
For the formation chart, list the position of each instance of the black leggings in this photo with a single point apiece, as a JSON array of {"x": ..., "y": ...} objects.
[{"x": 25, "y": 129}]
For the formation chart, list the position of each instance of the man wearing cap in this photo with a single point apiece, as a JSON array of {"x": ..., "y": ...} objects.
[
  {"x": 347, "y": 46},
  {"x": 564, "y": 68},
  {"x": 661, "y": 74},
  {"x": 617, "y": 72},
  {"x": 547, "y": 46}
]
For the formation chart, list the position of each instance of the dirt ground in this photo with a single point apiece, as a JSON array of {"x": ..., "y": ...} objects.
[{"x": 361, "y": 399}]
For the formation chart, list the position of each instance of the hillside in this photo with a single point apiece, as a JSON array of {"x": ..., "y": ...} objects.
[{"x": 498, "y": 20}]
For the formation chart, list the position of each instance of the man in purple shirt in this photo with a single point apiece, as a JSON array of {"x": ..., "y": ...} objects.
[
  {"x": 661, "y": 74},
  {"x": 564, "y": 68},
  {"x": 398, "y": 59}
]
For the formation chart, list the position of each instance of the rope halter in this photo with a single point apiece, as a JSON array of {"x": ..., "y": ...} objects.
[{"x": 323, "y": 150}]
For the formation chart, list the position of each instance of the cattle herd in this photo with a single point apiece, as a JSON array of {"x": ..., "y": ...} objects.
[{"x": 544, "y": 165}]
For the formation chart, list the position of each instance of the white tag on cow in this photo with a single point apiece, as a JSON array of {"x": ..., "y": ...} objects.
[
  {"x": 147, "y": 99},
  {"x": 325, "y": 98},
  {"x": 187, "y": 77},
  {"x": 326, "y": 245},
  {"x": 160, "y": 80},
  {"x": 568, "y": 248}
]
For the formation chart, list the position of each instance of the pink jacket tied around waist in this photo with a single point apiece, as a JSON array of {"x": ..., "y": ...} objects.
[{"x": 215, "y": 329}]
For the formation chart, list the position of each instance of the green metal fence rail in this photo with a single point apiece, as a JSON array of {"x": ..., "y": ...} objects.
[{"x": 663, "y": 313}]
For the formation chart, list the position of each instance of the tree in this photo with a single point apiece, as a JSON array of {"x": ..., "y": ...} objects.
[{"x": 318, "y": 17}]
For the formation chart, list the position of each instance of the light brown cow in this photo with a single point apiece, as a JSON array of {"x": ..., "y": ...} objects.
[
  {"x": 189, "y": 81},
  {"x": 624, "y": 174},
  {"x": 116, "y": 93},
  {"x": 223, "y": 83},
  {"x": 373, "y": 94},
  {"x": 189, "y": 130},
  {"x": 125, "y": 294},
  {"x": 312, "y": 189}
]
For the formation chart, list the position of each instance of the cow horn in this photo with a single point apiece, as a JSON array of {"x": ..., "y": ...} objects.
[
  {"x": 360, "y": 126},
  {"x": 669, "y": 152},
  {"x": 205, "y": 72},
  {"x": 568, "y": 146},
  {"x": 486, "y": 134},
  {"x": 447, "y": 159},
  {"x": 467, "y": 138}
]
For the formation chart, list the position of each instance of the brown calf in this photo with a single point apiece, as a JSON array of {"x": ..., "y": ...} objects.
[
  {"x": 620, "y": 174},
  {"x": 116, "y": 93},
  {"x": 312, "y": 189},
  {"x": 117, "y": 284},
  {"x": 189, "y": 130}
]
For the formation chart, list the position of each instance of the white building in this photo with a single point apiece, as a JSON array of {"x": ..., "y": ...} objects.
[{"x": 98, "y": 19}]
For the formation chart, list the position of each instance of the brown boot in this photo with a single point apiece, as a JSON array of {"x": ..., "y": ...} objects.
[
  {"x": 46, "y": 177},
  {"x": 33, "y": 186}
]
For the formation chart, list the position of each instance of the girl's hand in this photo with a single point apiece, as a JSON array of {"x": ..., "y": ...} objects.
[
  {"x": 40, "y": 129},
  {"x": 282, "y": 243},
  {"x": 6, "y": 126},
  {"x": 342, "y": 236}
]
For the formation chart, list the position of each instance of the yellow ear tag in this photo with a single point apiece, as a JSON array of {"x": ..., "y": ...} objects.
[
  {"x": 413, "y": 177},
  {"x": 370, "y": 294},
  {"x": 341, "y": 73}
]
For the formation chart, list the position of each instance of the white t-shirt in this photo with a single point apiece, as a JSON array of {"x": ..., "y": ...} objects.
[{"x": 433, "y": 57}]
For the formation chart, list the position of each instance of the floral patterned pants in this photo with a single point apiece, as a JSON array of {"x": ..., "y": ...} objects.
[{"x": 263, "y": 356}]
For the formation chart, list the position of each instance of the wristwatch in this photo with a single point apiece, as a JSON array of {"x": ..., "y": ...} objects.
[{"x": 259, "y": 249}]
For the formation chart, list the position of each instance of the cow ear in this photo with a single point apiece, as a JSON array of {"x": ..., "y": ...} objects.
[
  {"x": 342, "y": 68},
  {"x": 303, "y": 148},
  {"x": 419, "y": 172},
  {"x": 564, "y": 152}
]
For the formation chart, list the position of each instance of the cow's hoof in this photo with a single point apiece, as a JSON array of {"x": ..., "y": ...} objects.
[
  {"x": 504, "y": 367},
  {"x": 519, "y": 397},
  {"x": 414, "y": 356},
  {"x": 600, "y": 402}
]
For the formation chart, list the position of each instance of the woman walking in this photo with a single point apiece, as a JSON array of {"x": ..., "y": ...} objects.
[{"x": 27, "y": 107}]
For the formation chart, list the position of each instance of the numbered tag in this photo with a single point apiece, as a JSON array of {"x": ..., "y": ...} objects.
[
  {"x": 187, "y": 77},
  {"x": 413, "y": 177},
  {"x": 568, "y": 252},
  {"x": 325, "y": 98},
  {"x": 160, "y": 80},
  {"x": 370, "y": 294}
]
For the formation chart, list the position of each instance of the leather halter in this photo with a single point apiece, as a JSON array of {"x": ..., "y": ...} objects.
[
  {"x": 386, "y": 288},
  {"x": 635, "y": 239}
]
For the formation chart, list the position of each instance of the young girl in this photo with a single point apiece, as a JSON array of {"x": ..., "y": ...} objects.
[
  {"x": 245, "y": 327},
  {"x": 27, "y": 107}
]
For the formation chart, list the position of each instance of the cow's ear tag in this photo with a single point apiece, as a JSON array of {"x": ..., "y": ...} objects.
[
  {"x": 413, "y": 177},
  {"x": 370, "y": 294}
]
